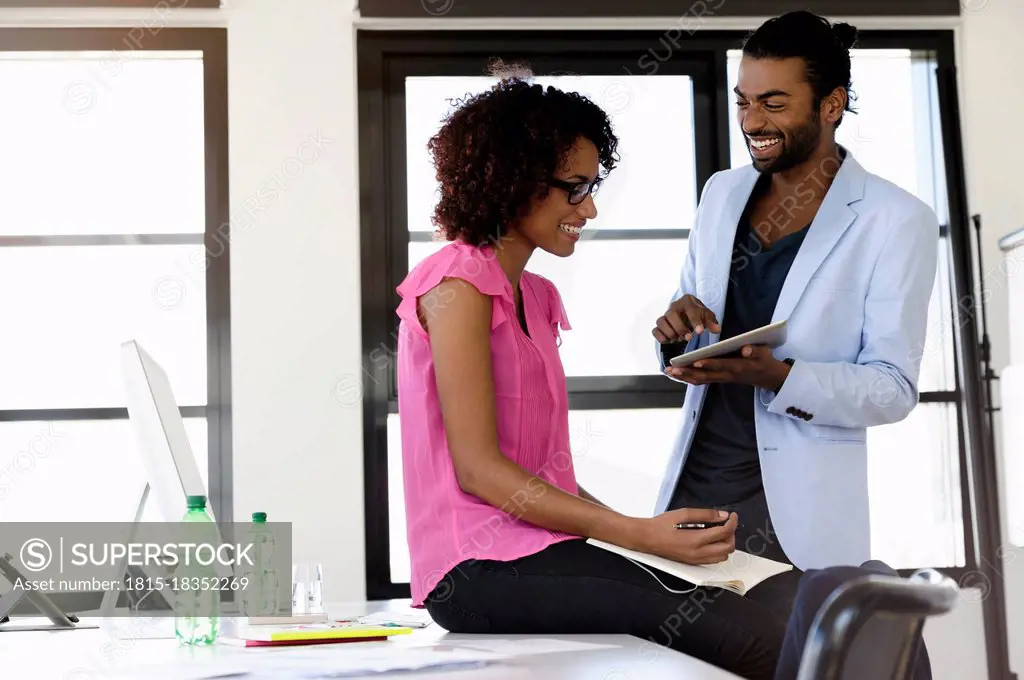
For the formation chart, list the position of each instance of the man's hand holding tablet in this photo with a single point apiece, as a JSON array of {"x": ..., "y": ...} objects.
[
  {"x": 755, "y": 366},
  {"x": 737, "y": 360}
]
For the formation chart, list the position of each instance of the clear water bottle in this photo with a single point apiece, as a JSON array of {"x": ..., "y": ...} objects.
[
  {"x": 260, "y": 593},
  {"x": 196, "y": 597}
]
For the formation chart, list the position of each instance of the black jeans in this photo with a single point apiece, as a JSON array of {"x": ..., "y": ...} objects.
[{"x": 576, "y": 588}]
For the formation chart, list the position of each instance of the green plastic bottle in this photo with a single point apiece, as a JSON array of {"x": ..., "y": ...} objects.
[
  {"x": 196, "y": 607},
  {"x": 260, "y": 592}
]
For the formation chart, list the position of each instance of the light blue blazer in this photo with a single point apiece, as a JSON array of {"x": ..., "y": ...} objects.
[{"x": 856, "y": 300}]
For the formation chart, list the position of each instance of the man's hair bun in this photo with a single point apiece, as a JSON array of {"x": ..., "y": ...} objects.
[{"x": 845, "y": 34}]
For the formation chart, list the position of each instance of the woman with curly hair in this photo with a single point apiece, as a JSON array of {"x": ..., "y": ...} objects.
[{"x": 497, "y": 523}]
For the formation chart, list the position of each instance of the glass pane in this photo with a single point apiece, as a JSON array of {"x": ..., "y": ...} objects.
[
  {"x": 914, "y": 479},
  {"x": 418, "y": 251},
  {"x": 604, "y": 342},
  {"x": 111, "y": 143},
  {"x": 937, "y": 366},
  {"x": 67, "y": 309},
  {"x": 79, "y": 471},
  {"x": 614, "y": 292},
  {"x": 398, "y": 540},
  {"x": 619, "y": 455},
  {"x": 653, "y": 118}
]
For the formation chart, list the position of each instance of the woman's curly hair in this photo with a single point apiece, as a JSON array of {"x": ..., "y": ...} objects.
[{"x": 496, "y": 150}]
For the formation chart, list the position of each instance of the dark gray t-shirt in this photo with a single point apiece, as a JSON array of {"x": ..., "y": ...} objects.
[{"x": 723, "y": 467}]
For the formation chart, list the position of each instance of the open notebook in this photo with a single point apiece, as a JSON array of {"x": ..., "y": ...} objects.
[{"x": 739, "y": 573}]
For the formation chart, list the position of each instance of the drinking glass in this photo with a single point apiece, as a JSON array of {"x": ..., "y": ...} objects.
[{"x": 307, "y": 588}]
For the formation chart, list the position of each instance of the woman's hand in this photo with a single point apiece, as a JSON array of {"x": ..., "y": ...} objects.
[{"x": 658, "y": 536}]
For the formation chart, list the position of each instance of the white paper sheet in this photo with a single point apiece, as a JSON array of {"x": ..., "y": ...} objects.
[
  {"x": 507, "y": 648},
  {"x": 383, "y": 660},
  {"x": 410, "y": 619},
  {"x": 316, "y": 665},
  {"x": 741, "y": 566}
]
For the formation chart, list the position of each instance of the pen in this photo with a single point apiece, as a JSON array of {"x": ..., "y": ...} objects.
[{"x": 698, "y": 525}]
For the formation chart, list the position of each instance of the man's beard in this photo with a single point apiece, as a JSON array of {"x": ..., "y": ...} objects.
[{"x": 796, "y": 148}]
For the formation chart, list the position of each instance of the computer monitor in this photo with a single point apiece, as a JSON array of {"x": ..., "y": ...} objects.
[
  {"x": 170, "y": 465},
  {"x": 171, "y": 470}
]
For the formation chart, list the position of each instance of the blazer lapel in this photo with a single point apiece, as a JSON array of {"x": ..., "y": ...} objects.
[
  {"x": 714, "y": 288},
  {"x": 829, "y": 224}
]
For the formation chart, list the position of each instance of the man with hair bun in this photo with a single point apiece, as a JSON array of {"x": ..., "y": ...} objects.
[{"x": 803, "y": 234}]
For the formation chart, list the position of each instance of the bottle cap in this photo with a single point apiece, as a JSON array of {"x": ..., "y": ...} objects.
[
  {"x": 259, "y": 517},
  {"x": 196, "y": 502}
]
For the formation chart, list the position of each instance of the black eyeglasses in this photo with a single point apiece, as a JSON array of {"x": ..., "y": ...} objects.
[{"x": 578, "y": 191}]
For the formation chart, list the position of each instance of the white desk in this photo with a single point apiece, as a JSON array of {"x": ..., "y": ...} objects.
[{"x": 96, "y": 654}]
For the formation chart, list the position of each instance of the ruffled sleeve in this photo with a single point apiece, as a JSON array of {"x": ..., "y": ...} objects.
[
  {"x": 555, "y": 308},
  {"x": 473, "y": 265}
]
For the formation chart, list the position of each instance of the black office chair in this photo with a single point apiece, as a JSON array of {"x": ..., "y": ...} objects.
[{"x": 867, "y": 628}]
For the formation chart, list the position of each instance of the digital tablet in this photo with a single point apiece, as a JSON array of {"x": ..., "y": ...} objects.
[{"x": 771, "y": 335}]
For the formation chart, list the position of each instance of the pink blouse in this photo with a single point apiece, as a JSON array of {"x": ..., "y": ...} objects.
[{"x": 445, "y": 525}]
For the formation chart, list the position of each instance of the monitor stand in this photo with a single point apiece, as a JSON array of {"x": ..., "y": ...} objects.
[
  {"x": 120, "y": 569},
  {"x": 59, "y": 620}
]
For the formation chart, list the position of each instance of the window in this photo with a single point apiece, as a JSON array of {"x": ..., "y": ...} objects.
[
  {"x": 689, "y": 14},
  {"x": 78, "y": 470},
  {"x": 110, "y": 231},
  {"x": 677, "y": 126}
]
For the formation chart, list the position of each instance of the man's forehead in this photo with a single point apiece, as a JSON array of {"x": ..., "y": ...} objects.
[{"x": 758, "y": 76}]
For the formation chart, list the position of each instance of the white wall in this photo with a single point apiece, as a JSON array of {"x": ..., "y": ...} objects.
[
  {"x": 295, "y": 279},
  {"x": 991, "y": 54}
]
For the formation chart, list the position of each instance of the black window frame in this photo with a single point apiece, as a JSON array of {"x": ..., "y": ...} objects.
[
  {"x": 384, "y": 252},
  {"x": 212, "y": 43},
  {"x": 687, "y": 11}
]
